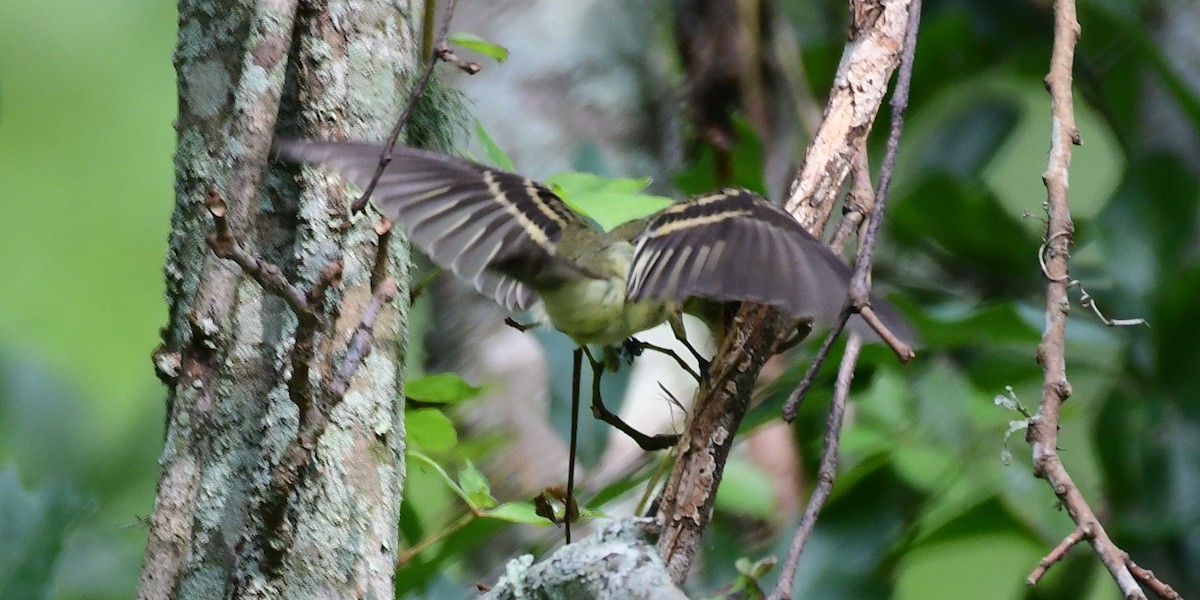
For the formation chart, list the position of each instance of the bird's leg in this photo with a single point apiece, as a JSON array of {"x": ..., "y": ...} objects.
[
  {"x": 676, "y": 322},
  {"x": 634, "y": 347},
  {"x": 522, "y": 327},
  {"x": 601, "y": 412},
  {"x": 576, "y": 382}
]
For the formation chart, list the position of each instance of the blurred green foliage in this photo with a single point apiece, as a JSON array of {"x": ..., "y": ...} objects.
[
  {"x": 87, "y": 95},
  {"x": 923, "y": 508}
]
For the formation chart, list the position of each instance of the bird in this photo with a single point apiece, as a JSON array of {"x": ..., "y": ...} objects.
[{"x": 516, "y": 241}]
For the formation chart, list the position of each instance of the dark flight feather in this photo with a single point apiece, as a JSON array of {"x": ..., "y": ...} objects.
[
  {"x": 735, "y": 245},
  {"x": 464, "y": 216},
  {"x": 497, "y": 230}
]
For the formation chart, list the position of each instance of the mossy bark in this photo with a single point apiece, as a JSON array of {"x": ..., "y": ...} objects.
[{"x": 227, "y": 348}]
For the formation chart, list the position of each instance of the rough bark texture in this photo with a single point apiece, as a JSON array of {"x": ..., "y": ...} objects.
[
  {"x": 618, "y": 562},
  {"x": 871, "y": 54},
  {"x": 686, "y": 502},
  {"x": 226, "y": 350}
]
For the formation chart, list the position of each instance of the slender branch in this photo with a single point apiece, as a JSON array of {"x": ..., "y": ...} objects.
[
  {"x": 576, "y": 376},
  {"x": 1157, "y": 586},
  {"x": 305, "y": 347},
  {"x": 1042, "y": 433},
  {"x": 441, "y": 52},
  {"x": 360, "y": 341},
  {"x": 826, "y": 473},
  {"x": 859, "y": 201},
  {"x": 792, "y": 406},
  {"x": 1058, "y": 553},
  {"x": 860, "y": 85},
  {"x": 224, "y": 244},
  {"x": 686, "y": 502},
  {"x": 860, "y": 290},
  {"x": 445, "y": 53}
]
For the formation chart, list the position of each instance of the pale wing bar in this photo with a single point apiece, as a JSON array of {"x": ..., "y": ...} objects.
[
  {"x": 465, "y": 216},
  {"x": 733, "y": 245}
]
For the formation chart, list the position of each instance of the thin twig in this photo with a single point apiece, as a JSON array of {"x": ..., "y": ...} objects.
[
  {"x": 441, "y": 50},
  {"x": 827, "y": 472},
  {"x": 1161, "y": 589},
  {"x": 1058, "y": 553},
  {"x": 903, "y": 351},
  {"x": 305, "y": 346},
  {"x": 792, "y": 406},
  {"x": 860, "y": 290},
  {"x": 225, "y": 245},
  {"x": 576, "y": 383},
  {"x": 445, "y": 53},
  {"x": 1042, "y": 433},
  {"x": 360, "y": 341},
  {"x": 859, "y": 201},
  {"x": 859, "y": 88}
]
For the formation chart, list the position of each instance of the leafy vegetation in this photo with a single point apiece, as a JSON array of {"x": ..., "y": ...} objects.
[{"x": 925, "y": 505}]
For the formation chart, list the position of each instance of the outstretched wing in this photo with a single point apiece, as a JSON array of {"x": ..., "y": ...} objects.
[
  {"x": 473, "y": 220},
  {"x": 733, "y": 245}
]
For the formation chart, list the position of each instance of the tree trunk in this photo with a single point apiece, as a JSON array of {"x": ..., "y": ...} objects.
[{"x": 230, "y": 518}]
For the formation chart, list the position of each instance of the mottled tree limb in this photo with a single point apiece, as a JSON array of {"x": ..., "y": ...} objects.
[
  {"x": 631, "y": 569},
  {"x": 255, "y": 494}
]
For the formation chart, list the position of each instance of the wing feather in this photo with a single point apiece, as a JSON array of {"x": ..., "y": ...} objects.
[
  {"x": 733, "y": 245},
  {"x": 466, "y": 217}
]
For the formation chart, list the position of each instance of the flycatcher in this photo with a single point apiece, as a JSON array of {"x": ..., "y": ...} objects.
[{"x": 516, "y": 241}]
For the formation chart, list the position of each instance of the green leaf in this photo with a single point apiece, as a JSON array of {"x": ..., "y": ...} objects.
[
  {"x": 495, "y": 156},
  {"x": 607, "y": 201},
  {"x": 475, "y": 485},
  {"x": 478, "y": 44},
  {"x": 430, "y": 429},
  {"x": 516, "y": 512},
  {"x": 441, "y": 388},
  {"x": 415, "y": 455}
]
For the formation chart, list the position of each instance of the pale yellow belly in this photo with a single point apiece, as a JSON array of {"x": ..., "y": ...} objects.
[{"x": 594, "y": 311}]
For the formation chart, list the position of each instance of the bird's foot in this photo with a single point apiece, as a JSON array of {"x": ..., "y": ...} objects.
[
  {"x": 648, "y": 443},
  {"x": 522, "y": 327}
]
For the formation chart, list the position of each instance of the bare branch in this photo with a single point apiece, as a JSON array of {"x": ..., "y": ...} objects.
[
  {"x": 1078, "y": 535},
  {"x": 1146, "y": 576},
  {"x": 792, "y": 406},
  {"x": 1042, "y": 433},
  {"x": 860, "y": 293},
  {"x": 445, "y": 53},
  {"x": 225, "y": 245},
  {"x": 826, "y": 473},
  {"x": 859, "y": 201},
  {"x": 860, "y": 287},
  {"x": 360, "y": 342},
  {"x": 872, "y": 53}
]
